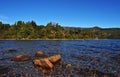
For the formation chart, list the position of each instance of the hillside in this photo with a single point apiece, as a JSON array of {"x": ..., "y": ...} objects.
[{"x": 30, "y": 30}]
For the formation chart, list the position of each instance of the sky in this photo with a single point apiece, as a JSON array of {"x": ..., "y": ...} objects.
[{"x": 72, "y": 13}]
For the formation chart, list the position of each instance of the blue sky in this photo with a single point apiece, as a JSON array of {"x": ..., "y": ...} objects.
[{"x": 77, "y": 13}]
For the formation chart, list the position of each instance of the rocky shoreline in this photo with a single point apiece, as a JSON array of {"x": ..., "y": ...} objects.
[{"x": 41, "y": 64}]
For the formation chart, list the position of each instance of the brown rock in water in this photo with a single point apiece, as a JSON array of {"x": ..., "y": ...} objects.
[
  {"x": 68, "y": 65},
  {"x": 54, "y": 58},
  {"x": 118, "y": 76},
  {"x": 20, "y": 58},
  {"x": 47, "y": 62},
  {"x": 106, "y": 75},
  {"x": 39, "y": 54},
  {"x": 11, "y": 50},
  {"x": 44, "y": 63}
]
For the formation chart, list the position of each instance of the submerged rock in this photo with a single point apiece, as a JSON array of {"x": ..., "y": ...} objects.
[
  {"x": 11, "y": 50},
  {"x": 20, "y": 57},
  {"x": 3, "y": 69},
  {"x": 118, "y": 75},
  {"x": 39, "y": 54},
  {"x": 54, "y": 58},
  {"x": 68, "y": 65},
  {"x": 44, "y": 63},
  {"x": 47, "y": 62},
  {"x": 106, "y": 76}
]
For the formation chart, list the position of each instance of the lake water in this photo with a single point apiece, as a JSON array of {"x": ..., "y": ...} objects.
[{"x": 102, "y": 55}]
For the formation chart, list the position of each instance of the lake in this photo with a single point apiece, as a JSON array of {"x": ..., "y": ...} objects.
[{"x": 101, "y": 55}]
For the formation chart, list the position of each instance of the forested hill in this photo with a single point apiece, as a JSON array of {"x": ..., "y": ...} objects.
[{"x": 30, "y": 30}]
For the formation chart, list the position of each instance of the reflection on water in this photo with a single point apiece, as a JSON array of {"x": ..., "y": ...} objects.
[{"x": 102, "y": 55}]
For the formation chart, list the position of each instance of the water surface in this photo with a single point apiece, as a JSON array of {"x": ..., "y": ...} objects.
[{"x": 102, "y": 55}]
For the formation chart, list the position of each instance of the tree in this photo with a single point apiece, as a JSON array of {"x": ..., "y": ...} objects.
[
  {"x": 26, "y": 31},
  {"x": 30, "y": 30},
  {"x": 33, "y": 23}
]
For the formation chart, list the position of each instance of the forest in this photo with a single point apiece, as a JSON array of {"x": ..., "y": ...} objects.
[{"x": 21, "y": 30}]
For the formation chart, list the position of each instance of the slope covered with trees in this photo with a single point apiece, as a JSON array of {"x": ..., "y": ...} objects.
[{"x": 30, "y": 30}]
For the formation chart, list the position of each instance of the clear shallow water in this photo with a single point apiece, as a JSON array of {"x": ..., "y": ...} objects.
[{"x": 102, "y": 55}]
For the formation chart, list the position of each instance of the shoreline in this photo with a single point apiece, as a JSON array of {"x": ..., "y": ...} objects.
[{"x": 59, "y": 39}]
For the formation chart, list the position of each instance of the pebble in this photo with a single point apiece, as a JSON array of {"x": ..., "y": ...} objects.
[{"x": 68, "y": 65}]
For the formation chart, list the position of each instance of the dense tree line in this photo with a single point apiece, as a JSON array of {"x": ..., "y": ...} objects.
[{"x": 30, "y": 30}]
